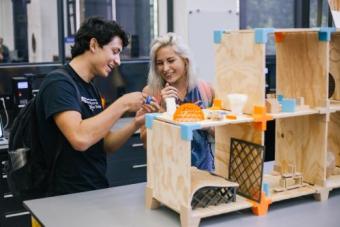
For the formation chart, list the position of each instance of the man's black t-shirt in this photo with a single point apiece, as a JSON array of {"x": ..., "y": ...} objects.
[{"x": 76, "y": 171}]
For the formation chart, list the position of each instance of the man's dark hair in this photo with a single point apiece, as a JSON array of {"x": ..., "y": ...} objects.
[{"x": 102, "y": 30}]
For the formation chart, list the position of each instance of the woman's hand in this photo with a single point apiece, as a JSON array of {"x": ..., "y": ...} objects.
[{"x": 169, "y": 91}]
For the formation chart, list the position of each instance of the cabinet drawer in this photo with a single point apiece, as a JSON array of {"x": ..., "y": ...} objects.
[
  {"x": 15, "y": 219},
  {"x": 126, "y": 172},
  {"x": 133, "y": 148},
  {"x": 9, "y": 203}
]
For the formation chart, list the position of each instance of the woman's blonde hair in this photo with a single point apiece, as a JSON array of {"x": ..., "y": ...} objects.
[{"x": 155, "y": 81}]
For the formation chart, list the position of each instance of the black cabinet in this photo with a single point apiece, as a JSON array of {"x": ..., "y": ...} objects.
[
  {"x": 128, "y": 164},
  {"x": 12, "y": 212}
]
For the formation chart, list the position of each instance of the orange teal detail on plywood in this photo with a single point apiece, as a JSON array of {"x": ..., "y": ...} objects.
[
  {"x": 261, "y": 34},
  {"x": 325, "y": 33},
  {"x": 149, "y": 118},
  {"x": 186, "y": 130},
  {"x": 217, "y": 36}
]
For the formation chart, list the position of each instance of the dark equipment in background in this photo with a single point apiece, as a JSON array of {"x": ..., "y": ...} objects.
[{"x": 22, "y": 92}]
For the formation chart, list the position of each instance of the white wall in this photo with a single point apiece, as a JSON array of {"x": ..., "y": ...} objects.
[
  {"x": 6, "y": 23},
  {"x": 43, "y": 23},
  {"x": 195, "y": 21}
]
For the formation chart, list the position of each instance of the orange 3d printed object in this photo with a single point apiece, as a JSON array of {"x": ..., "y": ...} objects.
[{"x": 188, "y": 112}]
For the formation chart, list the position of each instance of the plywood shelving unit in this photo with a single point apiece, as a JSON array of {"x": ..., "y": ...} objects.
[{"x": 304, "y": 60}]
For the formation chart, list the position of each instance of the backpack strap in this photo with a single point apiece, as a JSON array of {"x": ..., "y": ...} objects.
[
  {"x": 206, "y": 92},
  {"x": 70, "y": 79}
]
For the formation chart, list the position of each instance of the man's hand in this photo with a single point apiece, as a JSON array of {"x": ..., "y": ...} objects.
[
  {"x": 133, "y": 100},
  {"x": 146, "y": 108}
]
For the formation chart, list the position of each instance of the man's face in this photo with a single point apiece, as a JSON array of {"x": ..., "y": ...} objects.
[{"x": 108, "y": 57}]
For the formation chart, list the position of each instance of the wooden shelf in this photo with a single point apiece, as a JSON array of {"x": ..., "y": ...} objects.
[
  {"x": 333, "y": 181},
  {"x": 244, "y": 118},
  {"x": 273, "y": 182},
  {"x": 295, "y": 114},
  {"x": 240, "y": 204},
  {"x": 335, "y": 105}
]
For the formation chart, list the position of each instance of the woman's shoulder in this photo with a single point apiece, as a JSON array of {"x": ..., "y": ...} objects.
[{"x": 205, "y": 87}]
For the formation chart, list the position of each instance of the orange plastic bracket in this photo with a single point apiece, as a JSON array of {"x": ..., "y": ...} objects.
[
  {"x": 231, "y": 117},
  {"x": 261, "y": 117},
  {"x": 261, "y": 208},
  {"x": 279, "y": 37},
  {"x": 217, "y": 105}
]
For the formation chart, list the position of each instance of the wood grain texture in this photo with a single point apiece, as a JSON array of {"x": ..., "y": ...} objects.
[
  {"x": 334, "y": 63},
  {"x": 273, "y": 182},
  {"x": 240, "y": 65},
  {"x": 301, "y": 141},
  {"x": 302, "y": 68},
  {"x": 223, "y": 134},
  {"x": 334, "y": 136},
  {"x": 201, "y": 179},
  {"x": 334, "y": 4},
  {"x": 169, "y": 161}
]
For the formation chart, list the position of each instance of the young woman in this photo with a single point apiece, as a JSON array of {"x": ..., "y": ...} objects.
[{"x": 172, "y": 74}]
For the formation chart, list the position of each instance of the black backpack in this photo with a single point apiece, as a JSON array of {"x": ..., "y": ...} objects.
[{"x": 29, "y": 175}]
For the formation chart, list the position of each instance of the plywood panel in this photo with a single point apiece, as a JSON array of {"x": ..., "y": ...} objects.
[
  {"x": 334, "y": 136},
  {"x": 240, "y": 204},
  {"x": 201, "y": 179},
  {"x": 301, "y": 141},
  {"x": 334, "y": 4},
  {"x": 273, "y": 182},
  {"x": 334, "y": 67},
  {"x": 223, "y": 134},
  {"x": 240, "y": 65},
  {"x": 302, "y": 67},
  {"x": 169, "y": 160}
]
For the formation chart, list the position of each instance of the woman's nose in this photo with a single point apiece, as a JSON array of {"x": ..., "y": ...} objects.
[{"x": 166, "y": 67}]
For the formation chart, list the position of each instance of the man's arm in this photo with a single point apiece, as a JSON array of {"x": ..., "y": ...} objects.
[
  {"x": 114, "y": 140},
  {"x": 82, "y": 134}
]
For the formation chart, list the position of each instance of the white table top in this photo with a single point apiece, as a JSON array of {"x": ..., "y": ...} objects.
[{"x": 124, "y": 206}]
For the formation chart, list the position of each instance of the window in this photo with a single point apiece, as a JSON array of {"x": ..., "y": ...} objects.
[
  {"x": 267, "y": 14},
  {"x": 319, "y": 13},
  {"x": 29, "y": 30},
  {"x": 137, "y": 17}
]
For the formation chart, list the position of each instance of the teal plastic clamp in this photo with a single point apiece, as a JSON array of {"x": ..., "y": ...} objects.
[
  {"x": 149, "y": 119},
  {"x": 186, "y": 130},
  {"x": 325, "y": 33},
  {"x": 217, "y": 36},
  {"x": 265, "y": 188},
  {"x": 261, "y": 34},
  {"x": 288, "y": 105}
]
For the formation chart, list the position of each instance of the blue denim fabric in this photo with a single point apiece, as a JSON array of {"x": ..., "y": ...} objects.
[{"x": 201, "y": 153}]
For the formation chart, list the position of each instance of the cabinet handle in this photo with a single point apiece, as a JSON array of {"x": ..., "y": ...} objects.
[
  {"x": 138, "y": 166},
  {"x": 137, "y": 145},
  {"x": 17, "y": 214},
  {"x": 8, "y": 195}
]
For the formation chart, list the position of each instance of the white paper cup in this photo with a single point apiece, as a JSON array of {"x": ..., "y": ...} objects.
[
  {"x": 237, "y": 102},
  {"x": 170, "y": 106}
]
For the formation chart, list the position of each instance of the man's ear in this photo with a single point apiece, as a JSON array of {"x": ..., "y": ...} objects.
[{"x": 93, "y": 45}]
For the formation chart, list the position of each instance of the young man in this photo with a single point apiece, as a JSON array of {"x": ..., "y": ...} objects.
[{"x": 84, "y": 127}]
